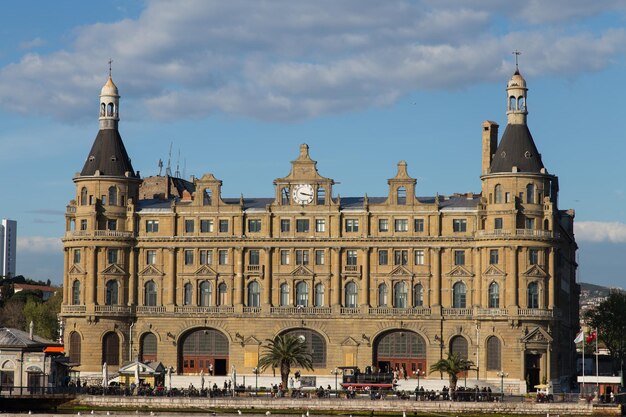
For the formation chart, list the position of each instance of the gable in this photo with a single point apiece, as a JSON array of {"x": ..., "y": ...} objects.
[
  {"x": 113, "y": 269},
  {"x": 151, "y": 270},
  {"x": 205, "y": 270},
  {"x": 537, "y": 335},
  {"x": 301, "y": 270},
  {"x": 349, "y": 341},
  {"x": 401, "y": 270},
  {"x": 459, "y": 271},
  {"x": 493, "y": 270},
  {"x": 535, "y": 271},
  {"x": 76, "y": 270}
]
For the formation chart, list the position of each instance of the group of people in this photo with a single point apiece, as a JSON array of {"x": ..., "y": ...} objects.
[{"x": 458, "y": 394}]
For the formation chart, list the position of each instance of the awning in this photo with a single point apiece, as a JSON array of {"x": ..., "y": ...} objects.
[{"x": 54, "y": 349}]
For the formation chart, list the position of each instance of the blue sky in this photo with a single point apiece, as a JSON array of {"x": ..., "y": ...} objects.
[{"x": 236, "y": 86}]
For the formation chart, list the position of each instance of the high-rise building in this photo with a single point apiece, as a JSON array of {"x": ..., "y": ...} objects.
[
  {"x": 174, "y": 271},
  {"x": 8, "y": 247}
]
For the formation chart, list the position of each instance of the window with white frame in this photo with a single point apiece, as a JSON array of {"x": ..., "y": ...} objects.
[
  {"x": 383, "y": 225},
  {"x": 206, "y": 226},
  {"x": 320, "y": 225},
  {"x": 352, "y": 225},
  {"x": 419, "y": 257},
  {"x": 401, "y": 225}
]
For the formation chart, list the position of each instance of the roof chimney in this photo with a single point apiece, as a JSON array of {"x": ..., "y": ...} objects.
[
  {"x": 31, "y": 327},
  {"x": 490, "y": 144}
]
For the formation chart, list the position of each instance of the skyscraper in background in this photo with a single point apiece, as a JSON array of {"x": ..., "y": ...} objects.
[{"x": 8, "y": 246}]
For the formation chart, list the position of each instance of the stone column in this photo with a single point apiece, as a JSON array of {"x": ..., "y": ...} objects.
[
  {"x": 92, "y": 286},
  {"x": 511, "y": 279},
  {"x": 365, "y": 278},
  {"x": 132, "y": 279},
  {"x": 267, "y": 278},
  {"x": 336, "y": 286},
  {"x": 171, "y": 296},
  {"x": 551, "y": 280},
  {"x": 66, "y": 280},
  {"x": 548, "y": 363},
  {"x": 239, "y": 278},
  {"x": 478, "y": 278},
  {"x": 435, "y": 260}
]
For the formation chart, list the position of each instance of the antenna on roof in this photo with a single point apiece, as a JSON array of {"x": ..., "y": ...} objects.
[
  {"x": 160, "y": 166},
  {"x": 110, "y": 62},
  {"x": 168, "y": 170},
  {"x": 517, "y": 54},
  {"x": 177, "y": 173}
]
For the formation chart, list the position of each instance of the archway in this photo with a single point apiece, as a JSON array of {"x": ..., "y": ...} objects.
[
  {"x": 315, "y": 343},
  {"x": 201, "y": 349},
  {"x": 400, "y": 349}
]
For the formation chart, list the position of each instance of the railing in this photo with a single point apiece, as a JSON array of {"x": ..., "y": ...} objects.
[
  {"x": 252, "y": 310},
  {"x": 73, "y": 309},
  {"x": 204, "y": 310},
  {"x": 350, "y": 310},
  {"x": 534, "y": 312},
  {"x": 113, "y": 309},
  {"x": 457, "y": 311},
  {"x": 300, "y": 310},
  {"x": 492, "y": 312},
  {"x": 517, "y": 233},
  {"x": 254, "y": 269},
  {"x": 351, "y": 269},
  {"x": 99, "y": 233},
  {"x": 391, "y": 311},
  {"x": 150, "y": 309}
]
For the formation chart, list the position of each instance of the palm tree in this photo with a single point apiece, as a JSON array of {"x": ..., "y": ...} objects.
[
  {"x": 283, "y": 352},
  {"x": 453, "y": 365}
]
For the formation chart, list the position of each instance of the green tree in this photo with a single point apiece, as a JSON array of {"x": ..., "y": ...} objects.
[
  {"x": 453, "y": 365},
  {"x": 609, "y": 318},
  {"x": 12, "y": 314},
  {"x": 283, "y": 352}
]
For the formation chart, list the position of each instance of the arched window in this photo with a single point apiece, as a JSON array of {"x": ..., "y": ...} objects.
[
  {"x": 205, "y": 294},
  {"x": 321, "y": 196},
  {"x": 150, "y": 294},
  {"x": 458, "y": 295},
  {"x": 400, "y": 295},
  {"x": 206, "y": 197},
  {"x": 113, "y": 196},
  {"x": 76, "y": 292},
  {"x": 401, "y": 195},
  {"x": 351, "y": 295},
  {"x": 103, "y": 108},
  {"x": 498, "y": 194},
  {"x": 221, "y": 294},
  {"x": 75, "y": 345},
  {"x": 512, "y": 103},
  {"x": 418, "y": 295},
  {"x": 530, "y": 194},
  {"x": 110, "y": 110},
  {"x": 382, "y": 295},
  {"x": 284, "y": 196},
  {"x": 111, "y": 349},
  {"x": 319, "y": 295},
  {"x": 254, "y": 294},
  {"x": 148, "y": 347},
  {"x": 111, "y": 294},
  {"x": 533, "y": 295},
  {"x": 302, "y": 294},
  {"x": 284, "y": 295},
  {"x": 458, "y": 345},
  {"x": 494, "y": 361},
  {"x": 521, "y": 105},
  {"x": 494, "y": 295},
  {"x": 315, "y": 345},
  {"x": 188, "y": 291},
  {"x": 83, "y": 196}
]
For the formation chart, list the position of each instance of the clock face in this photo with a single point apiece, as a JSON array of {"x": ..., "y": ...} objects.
[{"x": 303, "y": 194}]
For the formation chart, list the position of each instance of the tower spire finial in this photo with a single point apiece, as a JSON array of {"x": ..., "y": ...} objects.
[
  {"x": 110, "y": 62},
  {"x": 517, "y": 54}
]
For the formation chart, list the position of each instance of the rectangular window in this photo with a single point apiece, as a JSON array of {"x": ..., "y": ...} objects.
[
  {"x": 223, "y": 254},
  {"x": 352, "y": 225},
  {"x": 76, "y": 256},
  {"x": 254, "y": 257},
  {"x": 152, "y": 226},
  {"x": 302, "y": 257},
  {"x": 400, "y": 257},
  {"x": 401, "y": 225},
  {"x": 497, "y": 223},
  {"x": 302, "y": 225},
  {"x": 351, "y": 257},
  {"x": 111, "y": 224},
  {"x": 151, "y": 257},
  {"x": 206, "y": 226},
  {"x": 284, "y": 257},
  {"x": 459, "y": 225},
  {"x": 285, "y": 225},
  {"x": 83, "y": 224},
  {"x": 189, "y": 257},
  {"x": 533, "y": 256},
  {"x": 206, "y": 257},
  {"x": 418, "y": 225},
  {"x": 319, "y": 257},
  {"x": 223, "y": 226},
  {"x": 493, "y": 256},
  {"x": 320, "y": 225},
  {"x": 383, "y": 225},
  {"x": 419, "y": 257},
  {"x": 459, "y": 257},
  {"x": 383, "y": 257},
  {"x": 507, "y": 197},
  {"x": 189, "y": 226},
  {"x": 530, "y": 224},
  {"x": 254, "y": 225},
  {"x": 112, "y": 256}
]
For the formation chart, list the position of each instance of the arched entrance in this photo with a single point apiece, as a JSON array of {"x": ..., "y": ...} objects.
[
  {"x": 201, "y": 348},
  {"x": 316, "y": 344},
  {"x": 400, "y": 349}
]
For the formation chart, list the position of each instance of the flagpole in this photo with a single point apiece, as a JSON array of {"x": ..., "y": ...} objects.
[
  {"x": 582, "y": 393},
  {"x": 597, "y": 382}
]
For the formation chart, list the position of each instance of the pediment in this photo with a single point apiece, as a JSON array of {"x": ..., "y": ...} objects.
[
  {"x": 401, "y": 270},
  {"x": 252, "y": 341},
  {"x": 535, "y": 271},
  {"x": 459, "y": 271},
  {"x": 205, "y": 270},
  {"x": 301, "y": 270},
  {"x": 537, "y": 335},
  {"x": 349, "y": 341},
  {"x": 494, "y": 271},
  {"x": 113, "y": 269},
  {"x": 151, "y": 270},
  {"x": 76, "y": 270}
]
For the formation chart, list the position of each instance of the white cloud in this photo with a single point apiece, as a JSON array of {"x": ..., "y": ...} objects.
[
  {"x": 613, "y": 232},
  {"x": 33, "y": 43},
  {"x": 39, "y": 244},
  {"x": 293, "y": 60}
]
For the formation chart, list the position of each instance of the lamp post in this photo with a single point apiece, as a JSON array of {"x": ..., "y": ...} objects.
[
  {"x": 335, "y": 372},
  {"x": 256, "y": 380},
  {"x": 502, "y": 375},
  {"x": 418, "y": 373}
]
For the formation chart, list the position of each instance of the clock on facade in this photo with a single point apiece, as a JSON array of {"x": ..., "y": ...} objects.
[{"x": 303, "y": 194}]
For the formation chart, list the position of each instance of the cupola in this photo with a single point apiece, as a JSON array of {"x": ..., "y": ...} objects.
[{"x": 109, "y": 105}]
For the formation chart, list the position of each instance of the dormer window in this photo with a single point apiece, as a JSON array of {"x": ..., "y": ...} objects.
[
  {"x": 321, "y": 196},
  {"x": 284, "y": 193},
  {"x": 401, "y": 195},
  {"x": 92, "y": 158}
]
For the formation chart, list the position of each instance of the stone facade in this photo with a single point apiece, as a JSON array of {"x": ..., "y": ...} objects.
[{"x": 391, "y": 282}]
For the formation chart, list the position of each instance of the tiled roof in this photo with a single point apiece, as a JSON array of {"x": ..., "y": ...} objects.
[
  {"x": 108, "y": 156},
  {"x": 516, "y": 149},
  {"x": 14, "y": 338}
]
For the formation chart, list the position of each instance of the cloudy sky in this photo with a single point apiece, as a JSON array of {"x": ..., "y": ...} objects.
[{"x": 235, "y": 86}]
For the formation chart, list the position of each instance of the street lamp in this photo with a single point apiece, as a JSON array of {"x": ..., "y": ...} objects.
[
  {"x": 335, "y": 372},
  {"x": 418, "y": 373},
  {"x": 502, "y": 375},
  {"x": 255, "y": 371}
]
